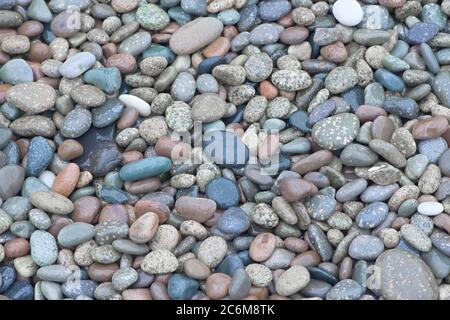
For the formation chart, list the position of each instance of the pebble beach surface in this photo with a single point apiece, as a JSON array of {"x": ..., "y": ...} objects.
[{"x": 224, "y": 149}]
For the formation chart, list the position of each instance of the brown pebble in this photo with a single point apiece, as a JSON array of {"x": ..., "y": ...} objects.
[
  {"x": 383, "y": 128},
  {"x": 39, "y": 52},
  {"x": 346, "y": 268},
  {"x": 66, "y": 180},
  {"x": 296, "y": 245},
  {"x": 307, "y": 259},
  {"x": 430, "y": 128},
  {"x": 442, "y": 221},
  {"x": 4, "y": 58},
  {"x": 262, "y": 247},
  {"x": 36, "y": 68},
  {"x": 268, "y": 90},
  {"x": 198, "y": 209},
  {"x": 144, "y": 228},
  {"x": 399, "y": 222},
  {"x": 230, "y": 32},
  {"x": 128, "y": 118},
  {"x": 122, "y": 6},
  {"x": 143, "y": 186},
  {"x": 58, "y": 222},
  {"x": 136, "y": 294},
  {"x": 259, "y": 293},
  {"x": 114, "y": 212},
  {"x": 130, "y": 156},
  {"x": 53, "y": 82},
  {"x": 143, "y": 206},
  {"x": 109, "y": 49},
  {"x": 313, "y": 162},
  {"x": 218, "y": 47},
  {"x": 70, "y": 149},
  {"x": 295, "y": 189},
  {"x": 217, "y": 285},
  {"x": 86, "y": 209},
  {"x": 196, "y": 269},
  {"x": 335, "y": 52},
  {"x": 294, "y": 35},
  {"x": 176, "y": 150},
  {"x": 102, "y": 272},
  {"x": 16, "y": 248},
  {"x": 286, "y": 21},
  {"x": 31, "y": 29},
  {"x": 369, "y": 113},
  {"x": 125, "y": 62}
]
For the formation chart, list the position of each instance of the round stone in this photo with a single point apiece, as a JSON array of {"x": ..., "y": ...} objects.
[
  {"x": 404, "y": 276},
  {"x": 292, "y": 280},
  {"x": 152, "y": 17},
  {"x": 372, "y": 215},
  {"x": 365, "y": 247},
  {"x": 159, "y": 261},
  {"x": 212, "y": 251},
  {"x": 224, "y": 192},
  {"x": 430, "y": 208},
  {"x": 336, "y": 132},
  {"x": 348, "y": 12},
  {"x": 233, "y": 221}
]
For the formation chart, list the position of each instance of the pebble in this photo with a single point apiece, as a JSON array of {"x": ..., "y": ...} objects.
[
  {"x": 32, "y": 98},
  {"x": 206, "y": 30},
  {"x": 291, "y": 80},
  {"x": 159, "y": 261},
  {"x": 348, "y": 12},
  {"x": 341, "y": 79},
  {"x": 75, "y": 234},
  {"x": 292, "y": 280},
  {"x": 365, "y": 247},
  {"x": 212, "y": 251},
  {"x": 40, "y": 155},
  {"x": 44, "y": 250},
  {"x": 145, "y": 168},
  {"x": 77, "y": 65},
  {"x": 76, "y": 123},
  {"x": 405, "y": 276},
  {"x": 180, "y": 287},
  {"x": 224, "y": 192},
  {"x": 347, "y": 289},
  {"x": 16, "y": 71},
  {"x": 322, "y": 153},
  {"x": 336, "y": 132}
]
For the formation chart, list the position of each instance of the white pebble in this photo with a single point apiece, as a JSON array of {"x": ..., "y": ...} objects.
[
  {"x": 348, "y": 12},
  {"x": 48, "y": 178},
  {"x": 137, "y": 103},
  {"x": 430, "y": 208}
]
